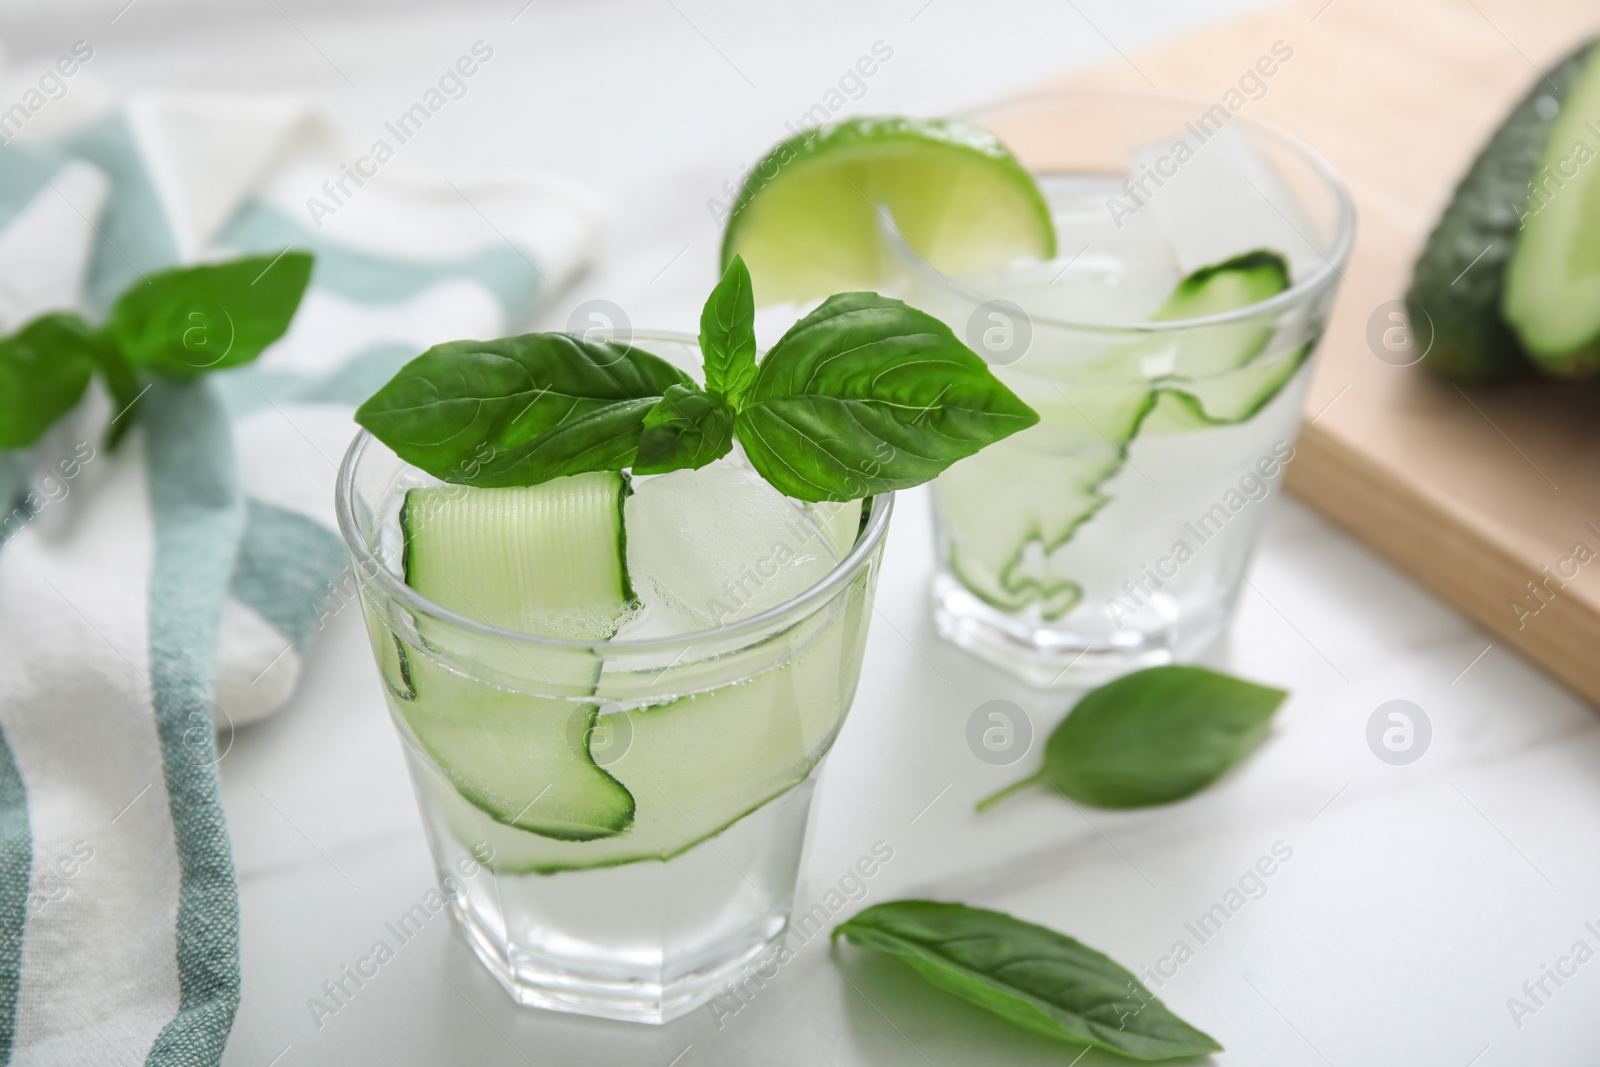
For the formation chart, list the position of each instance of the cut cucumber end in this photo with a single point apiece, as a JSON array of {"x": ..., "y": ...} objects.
[
  {"x": 1583, "y": 363},
  {"x": 1459, "y": 305},
  {"x": 806, "y": 223},
  {"x": 1552, "y": 283}
]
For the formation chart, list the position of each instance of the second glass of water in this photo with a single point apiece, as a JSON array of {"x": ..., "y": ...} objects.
[{"x": 1115, "y": 534}]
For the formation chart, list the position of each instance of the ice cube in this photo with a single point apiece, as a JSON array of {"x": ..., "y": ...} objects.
[
  {"x": 1108, "y": 268},
  {"x": 712, "y": 546},
  {"x": 1223, "y": 197}
]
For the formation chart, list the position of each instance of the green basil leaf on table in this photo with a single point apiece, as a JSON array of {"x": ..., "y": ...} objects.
[
  {"x": 866, "y": 395},
  {"x": 183, "y": 322},
  {"x": 728, "y": 334},
  {"x": 686, "y": 429},
  {"x": 44, "y": 369},
  {"x": 1153, "y": 737},
  {"x": 519, "y": 410},
  {"x": 1030, "y": 975}
]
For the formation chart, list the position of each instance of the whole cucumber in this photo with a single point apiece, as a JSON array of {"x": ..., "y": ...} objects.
[{"x": 1459, "y": 280}]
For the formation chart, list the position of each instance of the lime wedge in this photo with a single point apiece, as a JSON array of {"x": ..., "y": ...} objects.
[{"x": 805, "y": 220}]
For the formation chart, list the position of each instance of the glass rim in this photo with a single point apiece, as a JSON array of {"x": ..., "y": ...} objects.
[
  {"x": 369, "y": 568},
  {"x": 1344, "y": 226}
]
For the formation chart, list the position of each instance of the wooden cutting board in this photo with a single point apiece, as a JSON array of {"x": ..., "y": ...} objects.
[{"x": 1474, "y": 493}]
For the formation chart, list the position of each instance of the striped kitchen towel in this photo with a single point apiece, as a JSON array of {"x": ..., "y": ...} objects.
[{"x": 146, "y": 592}]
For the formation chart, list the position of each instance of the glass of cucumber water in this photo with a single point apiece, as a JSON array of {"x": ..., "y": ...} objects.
[
  {"x": 1167, "y": 345},
  {"x": 614, "y": 693}
]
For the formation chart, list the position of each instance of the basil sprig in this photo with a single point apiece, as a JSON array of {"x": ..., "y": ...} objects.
[
  {"x": 688, "y": 428},
  {"x": 175, "y": 324},
  {"x": 520, "y": 410},
  {"x": 1029, "y": 975},
  {"x": 1152, "y": 737},
  {"x": 861, "y": 396},
  {"x": 728, "y": 335}
]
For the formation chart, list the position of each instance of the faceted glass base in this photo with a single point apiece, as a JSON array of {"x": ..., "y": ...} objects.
[
  {"x": 646, "y": 941},
  {"x": 558, "y": 985},
  {"x": 1047, "y": 657}
]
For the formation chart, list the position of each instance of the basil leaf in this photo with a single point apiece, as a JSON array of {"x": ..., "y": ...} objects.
[
  {"x": 520, "y": 410},
  {"x": 44, "y": 369},
  {"x": 686, "y": 429},
  {"x": 1153, "y": 737},
  {"x": 181, "y": 323},
  {"x": 123, "y": 385},
  {"x": 865, "y": 395},
  {"x": 1029, "y": 975},
  {"x": 728, "y": 334}
]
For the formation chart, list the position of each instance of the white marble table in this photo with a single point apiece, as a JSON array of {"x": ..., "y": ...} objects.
[{"x": 1417, "y": 899}]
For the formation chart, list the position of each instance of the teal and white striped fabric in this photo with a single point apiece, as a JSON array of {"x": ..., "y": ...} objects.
[{"x": 180, "y": 579}]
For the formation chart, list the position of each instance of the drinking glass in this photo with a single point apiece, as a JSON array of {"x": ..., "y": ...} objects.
[
  {"x": 719, "y": 736},
  {"x": 1115, "y": 534}
]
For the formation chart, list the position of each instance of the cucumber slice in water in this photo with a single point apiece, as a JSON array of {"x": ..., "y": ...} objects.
[
  {"x": 522, "y": 760},
  {"x": 1217, "y": 375},
  {"x": 563, "y": 785},
  {"x": 544, "y": 559},
  {"x": 394, "y": 666},
  {"x": 1201, "y": 352},
  {"x": 698, "y": 764},
  {"x": 1552, "y": 293},
  {"x": 1225, "y": 400},
  {"x": 1215, "y": 290}
]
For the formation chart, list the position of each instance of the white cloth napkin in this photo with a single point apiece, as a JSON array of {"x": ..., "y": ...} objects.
[{"x": 147, "y": 591}]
